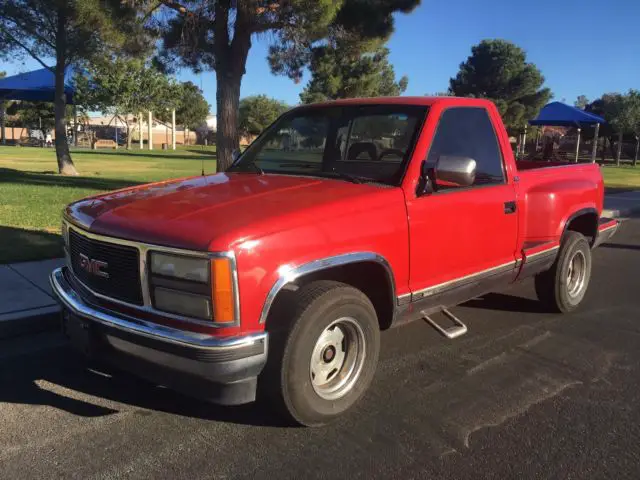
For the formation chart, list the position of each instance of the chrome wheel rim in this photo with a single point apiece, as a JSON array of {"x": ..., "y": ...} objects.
[
  {"x": 576, "y": 274},
  {"x": 337, "y": 358}
]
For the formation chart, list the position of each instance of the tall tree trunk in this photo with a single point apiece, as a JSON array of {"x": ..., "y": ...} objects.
[
  {"x": 65, "y": 164},
  {"x": 228, "y": 100},
  {"x": 3, "y": 112},
  {"x": 231, "y": 60},
  {"x": 635, "y": 157},
  {"x": 619, "y": 149}
]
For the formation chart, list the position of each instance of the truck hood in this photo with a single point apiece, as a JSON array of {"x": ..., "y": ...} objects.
[{"x": 213, "y": 212}]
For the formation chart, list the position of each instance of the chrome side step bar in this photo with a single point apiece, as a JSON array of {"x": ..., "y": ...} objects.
[{"x": 456, "y": 330}]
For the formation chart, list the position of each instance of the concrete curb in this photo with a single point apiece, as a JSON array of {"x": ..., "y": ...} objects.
[
  {"x": 29, "y": 321},
  {"x": 620, "y": 212}
]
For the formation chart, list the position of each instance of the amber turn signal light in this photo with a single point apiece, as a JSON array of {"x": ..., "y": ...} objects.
[{"x": 222, "y": 291}]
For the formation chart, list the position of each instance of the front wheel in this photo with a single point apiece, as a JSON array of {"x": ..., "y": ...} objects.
[
  {"x": 323, "y": 356},
  {"x": 564, "y": 285}
]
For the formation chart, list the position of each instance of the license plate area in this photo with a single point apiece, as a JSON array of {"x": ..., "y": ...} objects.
[{"x": 78, "y": 331}]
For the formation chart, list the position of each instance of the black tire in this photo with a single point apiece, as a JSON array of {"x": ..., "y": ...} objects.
[
  {"x": 554, "y": 287},
  {"x": 295, "y": 330}
]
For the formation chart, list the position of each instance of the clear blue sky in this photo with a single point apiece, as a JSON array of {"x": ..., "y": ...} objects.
[{"x": 584, "y": 47}]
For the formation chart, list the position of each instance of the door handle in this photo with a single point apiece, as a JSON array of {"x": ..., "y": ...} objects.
[{"x": 509, "y": 207}]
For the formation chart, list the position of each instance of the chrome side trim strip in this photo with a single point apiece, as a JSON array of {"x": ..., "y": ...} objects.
[
  {"x": 404, "y": 299},
  {"x": 608, "y": 228},
  {"x": 542, "y": 252},
  {"x": 144, "y": 249},
  {"x": 432, "y": 290},
  {"x": 289, "y": 274},
  {"x": 73, "y": 302}
]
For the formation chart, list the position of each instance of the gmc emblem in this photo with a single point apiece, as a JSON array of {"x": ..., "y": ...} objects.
[{"x": 95, "y": 267}]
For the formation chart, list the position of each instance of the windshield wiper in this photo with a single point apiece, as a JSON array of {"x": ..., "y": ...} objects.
[
  {"x": 256, "y": 167},
  {"x": 333, "y": 173},
  {"x": 347, "y": 177},
  {"x": 299, "y": 164}
]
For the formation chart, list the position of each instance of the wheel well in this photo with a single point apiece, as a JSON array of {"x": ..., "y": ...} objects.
[
  {"x": 371, "y": 278},
  {"x": 586, "y": 224}
]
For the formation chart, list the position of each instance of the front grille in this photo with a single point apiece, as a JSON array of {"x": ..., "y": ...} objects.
[{"x": 122, "y": 266}]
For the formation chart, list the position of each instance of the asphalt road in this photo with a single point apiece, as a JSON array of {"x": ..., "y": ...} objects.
[{"x": 524, "y": 394}]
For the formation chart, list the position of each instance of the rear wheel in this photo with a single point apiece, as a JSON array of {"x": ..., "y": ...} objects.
[
  {"x": 323, "y": 356},
  {"x": 564, "y": 285}
]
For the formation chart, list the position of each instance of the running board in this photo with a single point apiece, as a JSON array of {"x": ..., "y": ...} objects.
[{"x": 456, "y": 330}]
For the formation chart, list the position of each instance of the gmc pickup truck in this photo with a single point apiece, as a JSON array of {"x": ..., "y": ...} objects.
[{"x": 274, "y": 279}]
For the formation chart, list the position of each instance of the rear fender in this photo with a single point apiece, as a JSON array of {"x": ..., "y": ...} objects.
[{"x": 588, "y": 230}]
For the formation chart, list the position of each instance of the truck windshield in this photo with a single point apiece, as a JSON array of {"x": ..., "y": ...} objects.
[{"x": 356, "y": 143}]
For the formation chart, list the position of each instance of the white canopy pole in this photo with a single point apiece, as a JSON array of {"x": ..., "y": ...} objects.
[
  {"x": 578, "y": 145},
  {"x": 524, "y": 142},
  {"x": 140, "y": 130},
  {"x": 594, "y": 150},
  {"x": 150, "y": 130},
  {"x": 173, "y": 129}
]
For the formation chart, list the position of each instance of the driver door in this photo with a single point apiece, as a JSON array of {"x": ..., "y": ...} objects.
[{"x": 463, "y": 235}]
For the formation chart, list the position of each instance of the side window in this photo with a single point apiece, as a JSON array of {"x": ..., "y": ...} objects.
[{"x": 468, "y": 132}]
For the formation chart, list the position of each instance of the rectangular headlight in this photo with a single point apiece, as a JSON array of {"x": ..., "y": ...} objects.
[
  {"x": 186, "y": 268},
  {"x": 182, "y": 303}
]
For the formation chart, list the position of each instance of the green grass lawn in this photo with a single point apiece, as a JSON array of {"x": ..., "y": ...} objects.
[
  {"x": 32, "y": 194},
  {"x": 621, "y": 177}
]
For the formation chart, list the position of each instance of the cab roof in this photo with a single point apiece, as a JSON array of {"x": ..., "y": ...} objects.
[{"x": 427, "y": 101}]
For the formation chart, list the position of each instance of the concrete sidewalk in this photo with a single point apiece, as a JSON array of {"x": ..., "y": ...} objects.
[{"x": 26, "y": 302}]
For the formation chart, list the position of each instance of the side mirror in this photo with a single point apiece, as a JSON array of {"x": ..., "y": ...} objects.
[{"x": 455, "y": 171}]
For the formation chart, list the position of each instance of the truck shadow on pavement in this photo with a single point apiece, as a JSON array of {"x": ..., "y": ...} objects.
[
  {"x": 65, "y": 380},
  {"x": 506, "y": 303},
  {"x": 620, "y": 246}
]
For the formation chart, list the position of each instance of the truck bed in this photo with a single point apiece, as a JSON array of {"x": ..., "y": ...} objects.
[
  {"x": 551, "y": 191},
  {"x": 534, "y": 165}
]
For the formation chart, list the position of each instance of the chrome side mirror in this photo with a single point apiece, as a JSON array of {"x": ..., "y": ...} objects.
[{"x": 455, "y": 171}]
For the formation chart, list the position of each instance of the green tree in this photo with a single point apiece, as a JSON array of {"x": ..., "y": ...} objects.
[
  {"x": 38, "y": 116},
  {"x": 498, "y": 70},
  {"x": 344, "y": 72},
  {"x": 191, "y": 107},
  {"x": 127, "y": 87},
  {"x": 257, "y": 112},
  {"x": 581, "y": 102},
  {"x": 217, "y": 35},
  {"x": 622, "y": 113},
  {"x": 69, "y": 32}
]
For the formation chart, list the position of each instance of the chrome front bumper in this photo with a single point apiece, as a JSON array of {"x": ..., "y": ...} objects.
[{"x": 221, "y": 370}]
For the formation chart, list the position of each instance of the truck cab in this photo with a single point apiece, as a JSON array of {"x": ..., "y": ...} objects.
[{"x": 274, "y": 279}]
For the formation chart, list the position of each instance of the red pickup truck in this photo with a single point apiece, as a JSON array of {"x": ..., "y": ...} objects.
[{"x": 342, "y": 219}]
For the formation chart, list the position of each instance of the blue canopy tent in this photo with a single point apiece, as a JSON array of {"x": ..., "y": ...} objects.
[
  {"x": 35, "y": 86},
  {"x": 558, "y": 114}
]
